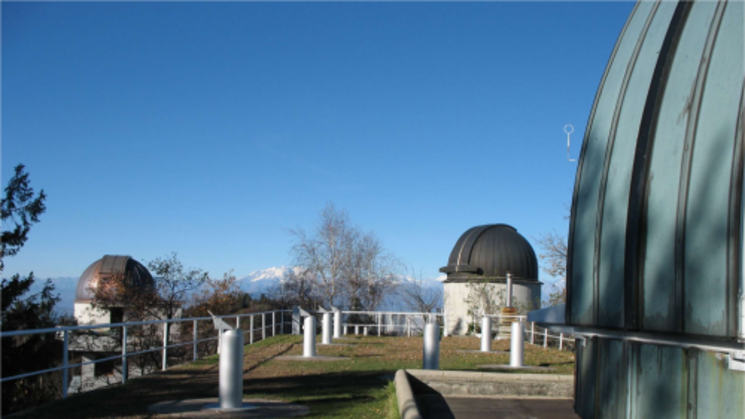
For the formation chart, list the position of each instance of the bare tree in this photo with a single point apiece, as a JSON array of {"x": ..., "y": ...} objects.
[
  {"x": 340, "y": 265},
  {"x": 174, "y": 283},
  {"x": 417, "y": 296},
  {"x": 370, "y": 273},
  {"x": 554, "y": 253},
  {"x": 296, "y": 289},
  {"x": 325, "y": 253}
]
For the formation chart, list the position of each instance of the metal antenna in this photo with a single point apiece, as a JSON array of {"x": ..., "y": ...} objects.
[{"x": 569, "y": 129}]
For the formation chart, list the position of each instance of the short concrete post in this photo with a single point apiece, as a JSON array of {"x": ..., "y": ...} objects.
[
  {"x": 274, "y": 323},
  {"x": 379, "y": 324},
  {"x": 444, "y": 323},
  {"x": 364, "y": 331},
  {"x": 532, "y": 333},
  {"x": 545, "y": 337},
  {"x": 561, "y": 341},
  {"x": 297, "y": 321},
  {"x": 516, "y": 345},
  {"x": 231, "y": 370},
  {"x": 337, "y": 322},
  {"x": 195, "y": 331},
  {"x": 326, "y": 329},
  {"x": 309, "y": 337},
  {"x": 356, "y": 330},
  {"x": 485, "y": 334},
  {"x": 164, "y": 365},
  {"x": 251, "y": 335},
  {"x": 431, "y": 353}
]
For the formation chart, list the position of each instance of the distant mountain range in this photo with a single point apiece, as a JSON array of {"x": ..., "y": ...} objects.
[{"x": 255, "y": 283}]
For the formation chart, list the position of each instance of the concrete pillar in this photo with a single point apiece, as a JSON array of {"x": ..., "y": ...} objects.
[
  {"x": 431, "y": 352},
  {"x": 509, "y": 290},
  {"x": 364, "y": 331},
  {"x": 356, "y": 330},
  {"x": 231, "y": 370},
  {"x": 309, "y": 337},
  {"x": 296, "y": 320},
  {"x": 87, "y": 372},
  {"x": 516, "y": 345},
  {"x": 485, "y": 334},
  {"x": 326, "y": 329},
  {"x": 337, "y": 324}
]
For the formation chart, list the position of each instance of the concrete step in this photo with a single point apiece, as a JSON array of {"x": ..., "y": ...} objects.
[{"x": 488, "y": 384}]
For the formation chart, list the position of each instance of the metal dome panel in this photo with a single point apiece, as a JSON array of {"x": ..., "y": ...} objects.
[
  {"x": 654, "y": 237},
  {"x": 491, "y": 251},
  {"x": 137, "y": 274}
]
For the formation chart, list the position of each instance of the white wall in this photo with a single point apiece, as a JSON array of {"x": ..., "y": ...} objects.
[
  {"x": 456, "y": 295},
  {"x": 86, "y": 314}
]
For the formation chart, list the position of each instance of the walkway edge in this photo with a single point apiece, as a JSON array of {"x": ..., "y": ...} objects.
[{"x": 406, "y": 404}]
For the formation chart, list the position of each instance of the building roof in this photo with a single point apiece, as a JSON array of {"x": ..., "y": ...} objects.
[
  {"x": 655, "y": 243},
  {"x": 491, "y": 251},
  {"x": 107, "y": 266}
]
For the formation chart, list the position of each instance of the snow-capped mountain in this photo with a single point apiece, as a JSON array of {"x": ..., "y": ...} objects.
[{"x": 260, "y": 281}]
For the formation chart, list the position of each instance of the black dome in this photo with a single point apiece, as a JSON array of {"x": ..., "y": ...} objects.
[
  {"x": 136, "y": 273},
  {"x": 492, "y": 251}
]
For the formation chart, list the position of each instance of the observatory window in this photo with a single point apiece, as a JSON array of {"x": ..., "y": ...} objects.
[
  {"x": 117, "y": 315},
  {"x": 104, "y": 368}
]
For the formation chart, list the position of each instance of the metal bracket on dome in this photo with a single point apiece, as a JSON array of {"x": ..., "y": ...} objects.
[
  {"x": 737, "y": 361},
  {"x": 219, "y": 323}
]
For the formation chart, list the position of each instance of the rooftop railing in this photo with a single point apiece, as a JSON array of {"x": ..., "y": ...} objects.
[
  {"x": 64, "y": 333},
  {"x": 399, "y": 323}
]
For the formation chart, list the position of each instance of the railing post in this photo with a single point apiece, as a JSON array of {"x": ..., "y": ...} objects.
[
  {"x": 282, "y": 322},
  {"x": 237, "y": 322},
  {"x": 195, "y": 340},
  {"x": 545, "y": 337},
  {"x": 263, "y": 326},
  {"x": 65, "y": 356},
  {"x": 164, "y": 366},
  {"x": 561, "y": 341},
  {"x": 274, "y": 324},
  {"x": 532, "y": 333},
  {"x": 378, "y": 324},
  {"x": 251, "y": 335},
  {"x": 125, "y": 369}
]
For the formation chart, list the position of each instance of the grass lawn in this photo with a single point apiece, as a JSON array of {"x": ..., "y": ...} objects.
[{"x": 357, "y": 388}]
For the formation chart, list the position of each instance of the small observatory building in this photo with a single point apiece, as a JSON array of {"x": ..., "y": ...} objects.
[
  {"x": 655, "y": 288},
  {"x": 478, "y": 264},
  {"x": 105, "y": 342},
  {"x": 136, "y": 274}
]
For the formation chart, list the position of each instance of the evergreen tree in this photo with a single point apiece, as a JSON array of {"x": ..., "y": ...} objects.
[{"x": 20, "y": 209}]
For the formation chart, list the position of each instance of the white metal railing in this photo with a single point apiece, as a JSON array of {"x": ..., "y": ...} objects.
[
  {"x": 412, "y": 323},
  {"x": 63, "y": 333},
  {"x": 561, "y": 337}
]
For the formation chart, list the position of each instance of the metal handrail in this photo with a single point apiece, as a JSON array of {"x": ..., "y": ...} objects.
[
  {"x": 113, "y": 325},
  {"x": 65, "y": 331}
]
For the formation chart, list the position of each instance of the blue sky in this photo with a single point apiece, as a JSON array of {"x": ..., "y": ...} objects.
[{"x": 210, "y": 129}]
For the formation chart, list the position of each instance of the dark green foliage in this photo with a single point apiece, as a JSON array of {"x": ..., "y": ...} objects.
[
  {"x": 22, "y": 354},
  {"x": 21, "y": 311},
  {"x": 21, "y": 208}
]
